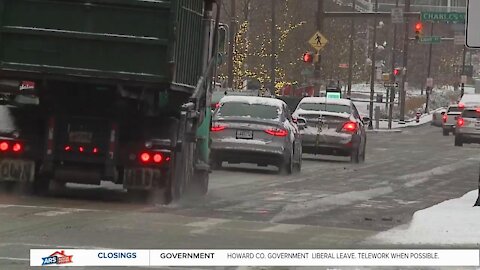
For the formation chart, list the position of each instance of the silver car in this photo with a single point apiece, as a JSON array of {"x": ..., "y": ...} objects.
[
  {"x": 468, "y": 127},
  {"x": 449, "y": 119},
  {"x": 334, "y": 127},
  {"x": 255, "y": 130}
]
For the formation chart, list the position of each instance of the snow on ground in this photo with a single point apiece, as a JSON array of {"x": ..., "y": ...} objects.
[{"x": 451, "y": 222}]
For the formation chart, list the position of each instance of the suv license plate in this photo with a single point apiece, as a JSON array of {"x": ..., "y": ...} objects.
[{"x": 244, "y": 134}]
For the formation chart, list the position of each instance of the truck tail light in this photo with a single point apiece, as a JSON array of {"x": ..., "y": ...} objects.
[
  {"x": 145, "y": 157},
  {"x": 444, "y": 118},
  {"x": 4, "y": 146},
  {"x": 17, "y": 147},
  {"x": 350, "y": 127},
  {"x": 153, "y": 157},
  {"x": 277, "y": 132},
  {"x": 11, "y": 146},
  {"x": 460, "y": 122}
]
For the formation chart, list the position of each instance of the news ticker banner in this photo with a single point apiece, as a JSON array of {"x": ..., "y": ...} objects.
[{"x": 253, "y": 257}]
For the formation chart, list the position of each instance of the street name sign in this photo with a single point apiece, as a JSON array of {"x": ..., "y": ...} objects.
[
  {"x": 450, "y": 17},
  {"x": 391, "y": 84},
  {"x": 459, "y": 39},
  {"x": 473, "y": 22},
  {"x": 432, "y": 39}
]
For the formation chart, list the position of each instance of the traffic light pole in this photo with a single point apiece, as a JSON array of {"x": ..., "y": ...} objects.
[
  {"x": 428, "y": 89},
  {"x": 372, "y": 74},
  {"x": 320, "y": 16},
  {"x": 232, "y": 44},
  {"x": 405, "y": 59},
  {"x": 463, "y": 69},
  {"x": 350, "y": 56},
  {"x": 392, "y": 89}
]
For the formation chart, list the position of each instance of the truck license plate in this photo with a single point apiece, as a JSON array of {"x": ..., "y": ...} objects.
[
  {"x": 244, "y": 134},
  {"x": 17, "y": 170},
  {"x": 80, "y": 137}
]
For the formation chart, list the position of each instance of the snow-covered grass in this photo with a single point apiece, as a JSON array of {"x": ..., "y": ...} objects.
[{"x": 453, "y": 222}]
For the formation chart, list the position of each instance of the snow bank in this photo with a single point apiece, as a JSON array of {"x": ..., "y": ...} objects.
[{"x": 451, "y": 222}]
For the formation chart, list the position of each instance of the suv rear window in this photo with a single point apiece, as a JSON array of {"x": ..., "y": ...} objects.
[{"x": 470, "y": 114}]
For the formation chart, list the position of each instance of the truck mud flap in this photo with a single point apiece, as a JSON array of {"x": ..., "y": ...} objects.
[{"x": 142, "y": 178}]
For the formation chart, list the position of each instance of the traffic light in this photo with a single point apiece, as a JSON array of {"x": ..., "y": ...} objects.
[
  {"x": 418, "y": 30},
  {"x": 396, "y": 72},
  {"x": 307, "y": 57}
]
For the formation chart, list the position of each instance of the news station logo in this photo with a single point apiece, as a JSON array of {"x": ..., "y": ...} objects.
[{"x": 58, "y": 257}]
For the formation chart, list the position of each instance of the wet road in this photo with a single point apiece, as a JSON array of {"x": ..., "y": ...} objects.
[{"x": 330, "y": 204}]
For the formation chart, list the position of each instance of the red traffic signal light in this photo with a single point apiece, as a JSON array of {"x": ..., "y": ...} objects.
[
  {"x": 418, "y": 27},
  {"x": 307, "y": 57},
  {"x": 418, "y": 30},
  {"x": 396, "y": 72}
]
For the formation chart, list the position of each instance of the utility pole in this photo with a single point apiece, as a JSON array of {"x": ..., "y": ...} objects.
[
  {"x": 463, "y": 69},
  {"x": 373, "y": 71},
  {"x": 320, "y": 16},
  {"x": 232, "y": 43},
  {"x": 274, "y": 49},
  {"x": 428, "y": 89},
  {"x": 405, "y": 59},
  {"x": 392, "y": 75},
  {"x": 350, "y": 56}
]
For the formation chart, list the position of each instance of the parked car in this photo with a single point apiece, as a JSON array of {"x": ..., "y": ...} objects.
[
  {"x": 437, "y": 117},
  {"x": 256, "y": 130},
  {"x": 468, "y": 127},
  {"x": 333, "y": 127},
  {"x": 449, "y": 119}
]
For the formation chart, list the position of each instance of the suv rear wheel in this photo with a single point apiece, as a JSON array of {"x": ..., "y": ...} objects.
[{"x": 458, "y": 140}]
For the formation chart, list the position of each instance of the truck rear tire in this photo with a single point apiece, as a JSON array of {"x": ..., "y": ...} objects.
[
  {"x": 41, "y": 185},
  {"x": 199, "y": 184}
]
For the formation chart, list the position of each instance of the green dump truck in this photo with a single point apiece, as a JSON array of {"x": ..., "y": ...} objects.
[{"x": 107, "y": 90}]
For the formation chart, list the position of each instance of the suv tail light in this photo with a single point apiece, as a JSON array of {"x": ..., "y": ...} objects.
[
  {"x": 350, "y": 127},
  {"x": 460, "y": 122},
  {"x": 444, "y": 118},
  {"x": 277, "y": 132},
  {"x": 217, "y": 128}
]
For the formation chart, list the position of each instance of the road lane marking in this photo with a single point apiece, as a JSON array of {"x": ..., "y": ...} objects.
[
  {"x": 50, "y": 207},
  {"x": 50, "y": 246},
  {"x": 304, "y": 209},
  {"x": 204, "y": 226},
  {"x": 284, "y": 228},
  {"x": 14, "y": 259},
  {"x": 54, "y": 213}
]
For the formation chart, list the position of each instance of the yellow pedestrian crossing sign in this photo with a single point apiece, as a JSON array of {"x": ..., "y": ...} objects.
[{"x": 318, "y": 41}]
